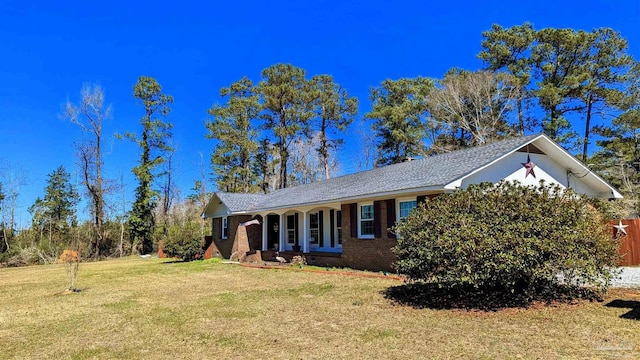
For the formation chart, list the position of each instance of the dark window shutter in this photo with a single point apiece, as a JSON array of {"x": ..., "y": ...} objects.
[
  {"x": 332, "y": 227},
  {"x": 377, "y": 219},
  {"x": 391, "y": 217},
  {"x": 421, "y": 198},
  {"x": 295, "y": 226},
  {"x": 321, "y": 228},
  {"x": 353, "y": 220}
]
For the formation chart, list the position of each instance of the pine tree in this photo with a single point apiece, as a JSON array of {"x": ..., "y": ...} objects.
[
  {"x": 397, "y": 112},
  {"x": 265, "y": 166},
  {"x": 336, "y": 111},
  {"x": 509, "y": 50},
  {"x": 618, "y": 157},
  {"x": 153, "y": 142},
  {"x": 232, "y": 128},
  {"x": 607, "y": 67},
  {"x": 560, "y": 59},
  {"x": 56, "y": 212},
  {"x": 287, "y": 109}
]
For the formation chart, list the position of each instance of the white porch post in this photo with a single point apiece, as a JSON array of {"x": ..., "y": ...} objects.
[
  {"x": 281, "y": 233},
  {"x": 305, "y": 234},
  {"x": 264, "y": 232}
]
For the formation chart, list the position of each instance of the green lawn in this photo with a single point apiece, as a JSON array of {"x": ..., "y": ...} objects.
[{"x": 149, "y": 308}]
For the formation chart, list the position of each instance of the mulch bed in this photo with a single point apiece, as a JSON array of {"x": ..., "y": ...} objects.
[{"x": 277, "y": 265}]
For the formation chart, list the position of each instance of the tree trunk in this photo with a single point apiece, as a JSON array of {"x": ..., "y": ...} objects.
[
  {"x": 203, "y": 194},
  {"x": 246, "y": 166},
  {"x": 284, "y": 157},
  {"x": 99, "y": 199},
  {"x": 520, "y": 116},
  {"x": 49, "y": 232},
  {"x": 4, "y": 236},
  {"x": 120, "y": 245},
  {"x": 324, "y": 148},
  {"x": 585, "y": 145}
]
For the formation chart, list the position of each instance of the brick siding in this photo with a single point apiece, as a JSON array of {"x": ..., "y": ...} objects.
[
  {"x": 367, "y": 254},
  {"x": 254, "y": 232}
]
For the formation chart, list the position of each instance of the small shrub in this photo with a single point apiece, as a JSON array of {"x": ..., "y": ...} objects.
[
  {"x": 184, "y": 242},
  {"x": 23, "y": 257},
  {"x": 508, "y": 237},
  {"x": 71, "y": 260},
  {"x": 298, "y": 261}
]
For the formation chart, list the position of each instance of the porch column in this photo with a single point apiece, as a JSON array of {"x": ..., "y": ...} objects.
[
  {"x": 281, "y": 233},
  {"x": 264, "y": 232},
  {"x": 305, "y": 234}
]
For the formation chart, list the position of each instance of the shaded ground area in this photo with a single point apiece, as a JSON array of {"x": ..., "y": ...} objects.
[
  {"x": 432, "y": 296},
  {"x": 632, "y": 305}
]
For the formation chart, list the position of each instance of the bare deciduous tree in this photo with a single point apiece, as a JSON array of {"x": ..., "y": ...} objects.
[
  {"x": 475, "y": 102},
  {"x": 367, "y": 156},
  {"x": 89, "y": 115},
  {"x": 307, "y": 163},
  {"x": 13, "y": 178},
  {"x": 169, "y": 193}
]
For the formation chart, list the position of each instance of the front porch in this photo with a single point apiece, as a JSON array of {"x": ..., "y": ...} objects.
[
  {"x": 304, "y": 231},
  {"x": 315, "y": 258}
]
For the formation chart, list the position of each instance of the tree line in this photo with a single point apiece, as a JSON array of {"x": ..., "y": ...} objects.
[{"x": 288, "y": 127}]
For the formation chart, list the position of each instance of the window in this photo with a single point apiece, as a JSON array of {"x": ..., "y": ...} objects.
[
  {"x": 225, "y": 227},
  {"x": 314, "y": 228},
  {"x": 365, "y": 221},
  {"x": 405, "y": 206},
  {"x": 291, "y": 229},
  {"x": 339, "y": 226}
]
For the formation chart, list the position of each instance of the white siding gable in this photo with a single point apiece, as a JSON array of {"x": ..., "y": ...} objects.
[{"x": 510, "y": 168}]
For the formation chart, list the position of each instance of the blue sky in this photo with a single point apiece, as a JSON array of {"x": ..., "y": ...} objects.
[{"x": 49, "y": 49}]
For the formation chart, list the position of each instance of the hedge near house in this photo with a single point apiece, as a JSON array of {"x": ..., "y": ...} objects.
[{"x": 508, "y": 237}]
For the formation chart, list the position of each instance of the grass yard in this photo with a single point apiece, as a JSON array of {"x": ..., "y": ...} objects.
[{"x": 150, "y": 308}]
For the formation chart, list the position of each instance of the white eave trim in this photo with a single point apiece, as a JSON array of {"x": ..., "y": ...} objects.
[{"x": 613, "y": 192}]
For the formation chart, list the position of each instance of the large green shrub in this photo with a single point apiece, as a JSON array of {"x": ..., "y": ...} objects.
[
  {"x": 184, "y": 242},
  {"x": 507, "y": 237}
]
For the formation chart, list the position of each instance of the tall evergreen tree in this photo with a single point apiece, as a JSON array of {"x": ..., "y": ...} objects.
[
  {"x": 153, "y": 142},
  {"x": 336, "y": 111},
  {"x": 560, "y": 59},
  {"x": 618, "y": 157},
  {"x": 397, "y": 112},
  {"x": 265, "y": 166},
  {"x": 287, "y": 109},
  {"x": 607, "y": 67},
  {"x": 509, "y": 50},
  {"x": 56, "y": 212},
  {"x": 232, "y": 126}
]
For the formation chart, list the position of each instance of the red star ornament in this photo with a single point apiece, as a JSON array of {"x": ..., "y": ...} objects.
[{"x": 529, "y": 167}]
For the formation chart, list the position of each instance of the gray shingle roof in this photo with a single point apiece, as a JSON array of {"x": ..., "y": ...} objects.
[
  {"x": 431, "y": 171},
  {"x": 240, "y": 202}
]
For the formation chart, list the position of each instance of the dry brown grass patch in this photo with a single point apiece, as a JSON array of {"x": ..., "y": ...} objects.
[{"x": 145, "y": 308}]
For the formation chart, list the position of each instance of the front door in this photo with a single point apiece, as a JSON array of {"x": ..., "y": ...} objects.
[{"x": 273, "y": 231}]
